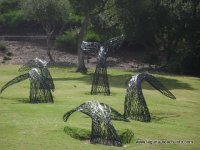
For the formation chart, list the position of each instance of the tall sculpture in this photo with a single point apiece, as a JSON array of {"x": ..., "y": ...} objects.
[
  {"x": 135, "y": 105},
  {"x": 103, "y": 131},
  {"x": 100, "y": 83},
  {"x": 41, "y": 82}
]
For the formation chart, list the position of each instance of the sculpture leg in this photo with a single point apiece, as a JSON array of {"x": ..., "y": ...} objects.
[
  {"x": 100, "y": 82},
  {"x": 104, "y": 133},
  {"x": 47, "y": 96},
  {"x": 33, "y": 92},
  {"x": 95, "y": 82}
]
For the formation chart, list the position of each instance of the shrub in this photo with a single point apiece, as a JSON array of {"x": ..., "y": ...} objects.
[
  {"x": 152, "y": 59},
  {"x": 77, "y": 133},
  {"x": 126, "y": 136},
  {"x": 187, "y": 62},
  {"x": 9, "y": 54},
  {"x": 67, "y": 41},
  {"x": 6, "y": 58},
  {"x": 3, "y": 48},
  {"x": 6, "y": 5},
  {"x": 92, "y": 36}
]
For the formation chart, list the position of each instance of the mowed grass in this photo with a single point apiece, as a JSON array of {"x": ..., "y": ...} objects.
[{"x": 26, "y": 126}]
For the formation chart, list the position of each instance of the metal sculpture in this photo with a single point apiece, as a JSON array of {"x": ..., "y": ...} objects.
[
  {"x": 41, "y": 82},
  {"x": 103, "y": 131},
  {"x": 100, "y": 82},
  {"x": 135, "y": 105}
]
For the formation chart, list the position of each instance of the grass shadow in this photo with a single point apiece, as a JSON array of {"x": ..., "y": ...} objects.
[
  {"x": 174, "y": 84},
  {"x": 101, "y": 94},
  {"x": 21, "y": 100},
  {"x": 121, "y": 81},
  {"x": 59, "y": 64},
  {"x": 84, "y": 135},
  {"x": 157, "y": 118},
  {"x": 77, "y": 133}
]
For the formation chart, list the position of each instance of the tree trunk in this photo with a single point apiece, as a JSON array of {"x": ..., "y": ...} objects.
[
  {"x": 169, "y": 54},
  {"x": 81, "y": 63},
  {"x": 49, "y": 49}
]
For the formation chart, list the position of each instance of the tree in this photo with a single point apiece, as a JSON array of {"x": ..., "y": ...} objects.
[
  {"x": 87, "y": 9},
  {"x": 135, "y": 19},
  {"x": 51, "y": 14},
  {"x": 170, "y": 25},
  {"x": 11, "y": 18},
  {"x": 189, "y": 56},
  {"x": 157, "y": 24}
]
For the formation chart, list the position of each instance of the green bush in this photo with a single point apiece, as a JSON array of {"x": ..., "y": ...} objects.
[
  {"x": 92, "y": 36},
  {"x": 12, "y": 18},
  {"x": 10, "y": 13},
  {"x": 6, "y": 58},
  {"x": 9, "y": 5},
  {"x": 3, "y": 48},
  {"x": 83, "y": 134},
  {"x": 67, "y": 41},
  {"x": 77, "y": 133},
  {"x": 9, "y": 54},
  {"x": 152, "y": 59},
  {"x": 126, "y": 136}
]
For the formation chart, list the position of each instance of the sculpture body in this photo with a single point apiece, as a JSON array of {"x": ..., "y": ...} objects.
[
  {"x": 103, "y": 131},
  {"x": 40, "y": 89},
  {"x": 100, "y": 83},
  {"x": 135, "y": 105}
]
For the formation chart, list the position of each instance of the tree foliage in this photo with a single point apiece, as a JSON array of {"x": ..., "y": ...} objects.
[
  {"x": 169, "y": 27},
  {"x": 11, "y": 17},
  {"x": 51, "y": 14}
]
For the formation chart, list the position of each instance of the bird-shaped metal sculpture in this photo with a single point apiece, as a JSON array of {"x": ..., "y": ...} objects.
[
  {"x": 100, "y": 82},
  {"x": 41, "y": 83},
  {"x": 103, "y": 131},
  {"x": 135, "y": 106}
]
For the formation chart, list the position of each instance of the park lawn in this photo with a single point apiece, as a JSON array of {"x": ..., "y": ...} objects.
[{"x": 26, "y": 126}]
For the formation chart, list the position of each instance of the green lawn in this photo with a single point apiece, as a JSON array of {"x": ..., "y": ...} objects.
[{"x": 27, "y": 126}]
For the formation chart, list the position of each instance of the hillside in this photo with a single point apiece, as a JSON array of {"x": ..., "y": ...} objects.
[{"x": 23, "y": 51}]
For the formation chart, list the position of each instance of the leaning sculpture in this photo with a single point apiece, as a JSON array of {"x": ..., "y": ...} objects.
[
  {"x": 103, "y": 131},
  {"x": 135, "y": 106},
  {"x": 41, "y": 82},
  {"x": 100, "y": 82}
]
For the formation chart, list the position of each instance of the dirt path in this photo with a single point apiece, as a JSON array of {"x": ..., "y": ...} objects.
[{"x": 23, "y": 51}]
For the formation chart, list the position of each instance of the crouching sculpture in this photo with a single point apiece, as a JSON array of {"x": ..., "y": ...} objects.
[
  {"x": 103, "y": 131},
  {"x": 41, "y": 82},
  {"x": 135, "y": 106}
]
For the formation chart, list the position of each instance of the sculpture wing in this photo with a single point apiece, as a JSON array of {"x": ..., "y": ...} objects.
[
  {"x": 49, "y": 78},
  {"x": 159, "y": 86},
  {"x": 68, "y": 114},
  {"x": 90, "y": 48},
  {"x": 114, "y": 43},
  {"x": 114, "y": 114},
  {"x": 15, "y": 80},
  {"x": 35, "y": 63},
  {"x": 93, "y": 108},
  {"x": 84, "y": 108},
  {"x": 27, "y": 66}
]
